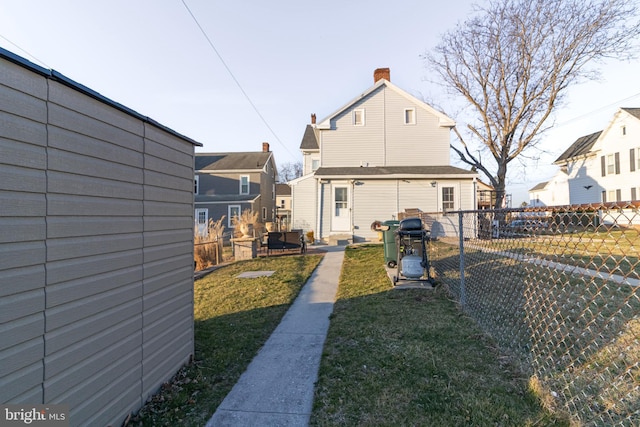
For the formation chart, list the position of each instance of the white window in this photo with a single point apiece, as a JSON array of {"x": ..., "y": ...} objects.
[
  {"x": 196, "y": 184},
  {"x": 234, "y": 212},
  {"x": 315, "y": 164},
  {"x": 611, "y": 164},
  {"x": 244, "y": 184},
  {"x": 409, "y": 116},
  {"x": 358, "y": 117},
  {"x": 447, "y": 199}
]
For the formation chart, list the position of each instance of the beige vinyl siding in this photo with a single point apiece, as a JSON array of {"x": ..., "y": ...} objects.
[
  {"x": 374, "y": 200},
  {"x": 96, "y": 250},
  {"x": 424, "y": 143},
  {"x": 349, "y": 145},
  {"x": 304, "y": 195},
  {"x": 417, "y": 194},
  {"x": 385, "y": 140}
]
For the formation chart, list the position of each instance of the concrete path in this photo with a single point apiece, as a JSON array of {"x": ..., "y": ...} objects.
[{"x": 277, "y": 387}]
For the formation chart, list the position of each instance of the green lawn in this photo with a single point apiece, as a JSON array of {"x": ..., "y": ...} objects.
[
  {"x": 391, "y": 358},
  {"x": 409, "y": 357},
  {"x": 233, "y": 318}
]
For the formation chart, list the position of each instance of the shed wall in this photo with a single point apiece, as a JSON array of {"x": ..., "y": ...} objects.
[{"x": 96, "y": 250}]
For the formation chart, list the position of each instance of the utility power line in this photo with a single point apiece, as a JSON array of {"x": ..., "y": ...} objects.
[{"x": 247, "y": 97}]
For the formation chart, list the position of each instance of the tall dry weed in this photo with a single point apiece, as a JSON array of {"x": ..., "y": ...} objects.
[{"x": 207, "y": 250}]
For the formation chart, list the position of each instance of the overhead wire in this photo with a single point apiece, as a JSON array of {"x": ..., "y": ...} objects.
[{"x": 247, "y": 97}]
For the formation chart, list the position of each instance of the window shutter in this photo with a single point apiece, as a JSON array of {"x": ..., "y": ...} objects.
[
  {"x": 617, "y": 156},
  {"x": 618, "y": 195},
  {"x": 634, "y": 196},
  {"x": 604, "y": 196},
  {"x": 603, "y": 167},
  {"x": 632, "y": 159}
]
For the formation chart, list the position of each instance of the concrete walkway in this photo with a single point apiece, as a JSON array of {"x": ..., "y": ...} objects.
[{"x": 277, "y": 387}]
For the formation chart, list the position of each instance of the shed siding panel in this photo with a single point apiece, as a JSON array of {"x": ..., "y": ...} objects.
[
  {"x": 23, "y": 385},
  {"x": 73, "y": 100},
  {"x": 22, "y": 232},
  {"x": 88, "y": 206},
  {"x": 74, "y": 251},
  {"x": 73, "y": 142}
]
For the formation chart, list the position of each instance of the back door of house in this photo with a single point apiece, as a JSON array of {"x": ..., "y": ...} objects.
[{"x": 341, "y": 217}]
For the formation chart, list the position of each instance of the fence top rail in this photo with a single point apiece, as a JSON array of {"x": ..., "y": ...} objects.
[{"x": 587, "y": 207}]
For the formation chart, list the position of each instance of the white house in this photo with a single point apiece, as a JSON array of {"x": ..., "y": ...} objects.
[
  {"x": 381, "y": 153},
  {"x": 601, "y": 167}
]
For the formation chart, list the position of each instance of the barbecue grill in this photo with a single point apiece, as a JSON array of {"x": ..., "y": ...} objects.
[{"x": 411, "y": 244}]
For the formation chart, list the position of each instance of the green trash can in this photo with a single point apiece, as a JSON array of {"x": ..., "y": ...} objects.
[{"x": 389, "y": 242}]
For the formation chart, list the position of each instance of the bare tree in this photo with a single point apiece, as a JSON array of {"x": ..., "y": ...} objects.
[
  {"x": 290, "y": 170},
  {"x": 513, "y": 62}
]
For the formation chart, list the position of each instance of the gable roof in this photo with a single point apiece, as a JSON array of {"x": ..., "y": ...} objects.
[
  {"x": 580, "y": 147},
  {"x": 283, "y": 190},
  {"x": 540, "y": 186},
  {"x": 635, "y": 112},
  {"x": 444, "y": 121},
  {"x": 309, "y": 139},
  {"x": 218, "y": 162}
]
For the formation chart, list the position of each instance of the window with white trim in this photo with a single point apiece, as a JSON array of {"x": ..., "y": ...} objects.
[
  {"x": 244, "y": 184},
  {"x": 201, "y": 216},
  {"x": 358, "y": 117},
  {"x": 315, "y": 164},
  {"x": 409, "y": 116},
  {"x": 233, "y": 212}
]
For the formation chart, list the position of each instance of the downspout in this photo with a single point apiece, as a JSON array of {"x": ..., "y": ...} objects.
[{"x": 318, "y": 235}]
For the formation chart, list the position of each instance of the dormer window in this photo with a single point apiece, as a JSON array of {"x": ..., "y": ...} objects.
[
  {"x": 358, "y": 117},
  {"x": 409, "y": 116}
]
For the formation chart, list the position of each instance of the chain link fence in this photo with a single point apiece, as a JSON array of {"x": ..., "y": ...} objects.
[{"x": 559, "y": 290}]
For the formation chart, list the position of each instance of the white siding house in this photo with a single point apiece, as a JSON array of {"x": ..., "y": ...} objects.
[
  {"x": 381, "y": 153},
  {"x": 601, "y": 167}
]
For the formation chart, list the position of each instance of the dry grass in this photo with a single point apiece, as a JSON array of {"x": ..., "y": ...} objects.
[{"x": 208, "y": 247}]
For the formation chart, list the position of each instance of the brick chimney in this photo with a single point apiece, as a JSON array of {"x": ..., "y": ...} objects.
[
  {"x": 381, "y": 73},
  {"x": 265, "y": 147},
  {"x": 313, "y": 118}
]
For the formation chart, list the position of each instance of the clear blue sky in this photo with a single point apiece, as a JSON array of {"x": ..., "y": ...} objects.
[{"x": 291, "y": 57}]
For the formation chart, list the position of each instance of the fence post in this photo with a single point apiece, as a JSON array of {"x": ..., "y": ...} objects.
[{"x": 461, "y": 233}]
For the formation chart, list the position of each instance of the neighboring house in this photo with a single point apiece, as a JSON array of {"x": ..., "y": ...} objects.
[
  {"x": 283, "y": 207},
  {"x": 226, "y": 184},
  {"x": 601, "y": 167},
  {"x": 96, "y": 248},
  {"x": 380, "y": 154}
]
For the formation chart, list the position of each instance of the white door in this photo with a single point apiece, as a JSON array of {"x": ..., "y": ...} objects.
[
  {"x": 201, "y": 221},
  {"x": 341, "y": 218}
]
